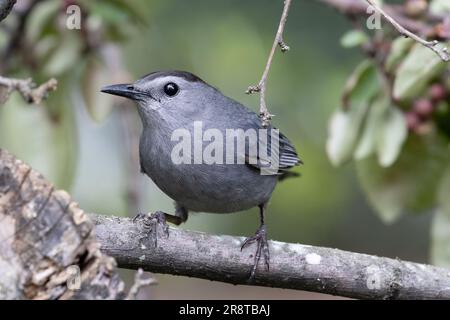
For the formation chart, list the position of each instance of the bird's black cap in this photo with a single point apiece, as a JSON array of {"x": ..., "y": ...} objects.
[{"x": 180, "y": 74}]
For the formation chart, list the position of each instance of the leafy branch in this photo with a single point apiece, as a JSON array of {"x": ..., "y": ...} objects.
[
  {"x": 394, "y": 119},
  {"x": 442, "y": 52},
  {"x": 345, "y": 5}
]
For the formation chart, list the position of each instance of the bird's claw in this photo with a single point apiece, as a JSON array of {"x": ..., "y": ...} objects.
[
  {"x": 151, "y": 223},
  {"x": 260, "y": 238}
]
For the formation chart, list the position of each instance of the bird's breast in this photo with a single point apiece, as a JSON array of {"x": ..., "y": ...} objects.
[{"x": 214, "y": 187}]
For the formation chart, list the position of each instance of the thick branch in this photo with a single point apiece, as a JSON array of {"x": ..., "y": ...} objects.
[
  {"x": 28, "y": 89},
  {"x": 293, "y": 266},
  {"x": 262, "y": 85}
]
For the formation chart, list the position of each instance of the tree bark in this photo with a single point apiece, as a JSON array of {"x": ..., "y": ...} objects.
[{"x": 45, "y": 239}]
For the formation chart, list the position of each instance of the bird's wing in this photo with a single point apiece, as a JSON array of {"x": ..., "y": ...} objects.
[
  {"x": 286, "y": 153},
  {"x": 286, "y": 156}
]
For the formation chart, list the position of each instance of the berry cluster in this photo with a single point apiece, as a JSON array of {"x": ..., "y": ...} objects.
[{"x": 419, "y": 117}]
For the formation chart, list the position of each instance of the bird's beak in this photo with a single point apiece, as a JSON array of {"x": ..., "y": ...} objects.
[{"x": 123, "y": 90}]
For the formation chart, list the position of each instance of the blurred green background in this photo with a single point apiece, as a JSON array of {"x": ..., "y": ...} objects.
[{"x": 226, "y": 43}]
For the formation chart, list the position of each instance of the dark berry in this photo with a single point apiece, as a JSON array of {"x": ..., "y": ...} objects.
[
  {"x": 423, "y": 107},
  {"x": 412, "y": 120},
  {"x": 437, "y": 92}
]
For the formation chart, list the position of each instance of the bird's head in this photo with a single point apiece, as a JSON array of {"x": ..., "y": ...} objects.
[{"x": 166, "y": 94}]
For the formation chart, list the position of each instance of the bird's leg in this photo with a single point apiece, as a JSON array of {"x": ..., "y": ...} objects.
[
  {"x": 261, "y": 241},
  {"x": 159, "y": 218}
]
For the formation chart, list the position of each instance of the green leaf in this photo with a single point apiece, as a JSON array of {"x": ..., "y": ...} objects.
[
  {"x": 136, "y": 10},
  {"x": 399, "y": 49},
  {"x": 410, "y": 183},
  {"x": 367, "y": 145},
  {"x": 43, "y": 20},
  {"x": 362, "y": 85},
  {"x": 354, "y": 38},
  {"x": 384, "y": 132},
  {"x": 440, "y": 228},
  {"x": 116, "y": 12},
  {"x": 393, "y": 133},
  {"x": 346, "y": 124},
  {"x": 416, "y": 71},
  {"x": 66, "y": 55},
  {"x": 343, "y": 134},
  {"x": 108, "y": 11}
]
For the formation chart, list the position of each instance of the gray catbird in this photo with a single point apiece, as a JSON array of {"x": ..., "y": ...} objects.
[{"x": 177, "y": 100}]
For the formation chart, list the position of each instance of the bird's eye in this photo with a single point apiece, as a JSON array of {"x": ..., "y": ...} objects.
[{"x": 171, "y": 89}]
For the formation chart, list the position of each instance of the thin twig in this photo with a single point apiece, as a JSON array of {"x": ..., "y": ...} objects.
[
  {"x": 28, "y": 89},
  {"x": 261, "y": 87},
  {"x": 139, "y": 283},
  {"x": 442, "y": 52}
]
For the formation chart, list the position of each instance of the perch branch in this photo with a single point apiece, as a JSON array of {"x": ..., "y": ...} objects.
[
  {"x": 442, "y": 52},
  {"x": 293, "y": 266},
  {"x": 262, "y": 85},
  {"x": 28, "y": 89}
]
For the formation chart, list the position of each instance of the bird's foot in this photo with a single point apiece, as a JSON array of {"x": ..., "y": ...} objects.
[
  {"x": 260, "y": 238},
  {"x": 151, "y": 223}
]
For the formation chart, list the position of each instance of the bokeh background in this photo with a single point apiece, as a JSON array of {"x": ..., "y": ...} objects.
[{"x": 226, "y": 43}]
